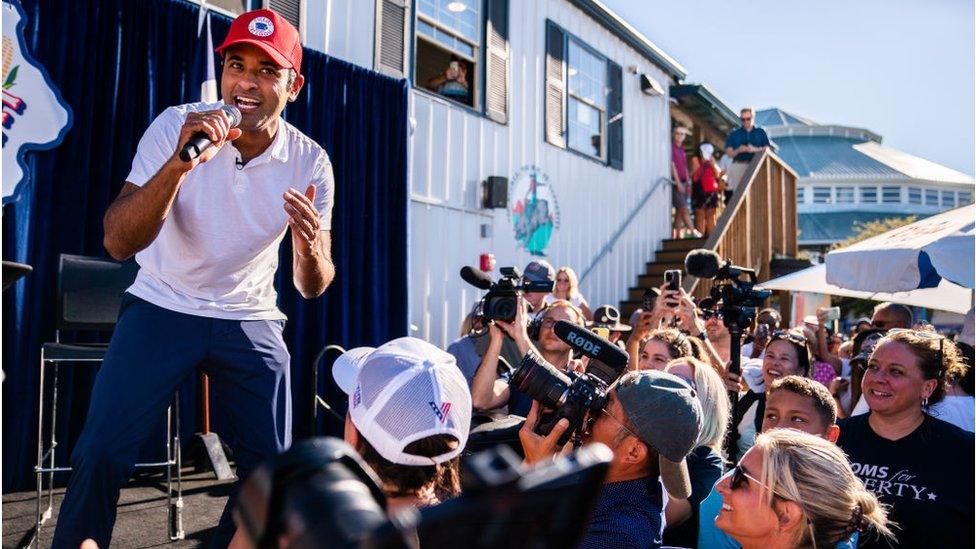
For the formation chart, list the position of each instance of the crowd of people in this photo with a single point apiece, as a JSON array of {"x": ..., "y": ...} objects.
[
  {"x": 796, "y": 436},
  {"x": 706, "y": 183},
  {"x": 840, "y": 439}
]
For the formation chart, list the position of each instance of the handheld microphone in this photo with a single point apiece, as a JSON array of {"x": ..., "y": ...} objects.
[
  {"x": 476, "y": 277},
  {"x": 590, "y": 344},
  {"x": 702, "y": 263},
  {"x": 200, "y": 141}
]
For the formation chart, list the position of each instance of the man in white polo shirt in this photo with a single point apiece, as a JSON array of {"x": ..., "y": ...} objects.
[{"x": 206, "y": 234}]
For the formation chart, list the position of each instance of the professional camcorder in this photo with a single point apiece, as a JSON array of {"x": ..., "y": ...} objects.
[
  {"x": 570, "y": 395},
  {"x": 501, "y": 301}
]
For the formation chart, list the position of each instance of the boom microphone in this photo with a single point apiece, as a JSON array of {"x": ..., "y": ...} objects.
[
  {"x": 590, "y": 344},
  {"x": 702, "y": 263},
  {"x": 476, "y": 277},
  {"x": 200, "y": 141}
]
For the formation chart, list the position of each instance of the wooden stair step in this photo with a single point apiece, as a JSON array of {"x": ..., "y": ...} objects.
[{"x": 682, "y": 243}]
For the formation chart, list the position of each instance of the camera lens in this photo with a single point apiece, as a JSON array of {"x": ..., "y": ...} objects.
[
  {"x": 502, "y": 308},
  {"x": 541, "y": 381}
]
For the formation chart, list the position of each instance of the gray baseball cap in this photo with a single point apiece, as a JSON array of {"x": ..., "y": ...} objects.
[{"x": 667, "y": 416}]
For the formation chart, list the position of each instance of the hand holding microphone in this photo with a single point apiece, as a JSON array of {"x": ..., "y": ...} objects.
[{"x": 204, "y": 133}]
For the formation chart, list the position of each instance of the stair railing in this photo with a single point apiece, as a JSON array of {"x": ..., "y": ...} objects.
[{"x": 759, "y": 222}]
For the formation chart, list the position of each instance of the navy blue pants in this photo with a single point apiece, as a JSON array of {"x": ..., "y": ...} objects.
[{"x": 152, "y": 351}]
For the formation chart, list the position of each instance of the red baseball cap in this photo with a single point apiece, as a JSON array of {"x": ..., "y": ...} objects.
[{"x": 269, "y": 31}]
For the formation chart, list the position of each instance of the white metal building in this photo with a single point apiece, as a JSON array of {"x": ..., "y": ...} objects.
[{"x": 564, "y": 100}]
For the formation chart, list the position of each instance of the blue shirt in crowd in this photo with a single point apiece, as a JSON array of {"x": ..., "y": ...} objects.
[
  {"x": 628, "y": 515},
  {"x": 711, "y": 537},
  {"x": 739, "y": 136}
]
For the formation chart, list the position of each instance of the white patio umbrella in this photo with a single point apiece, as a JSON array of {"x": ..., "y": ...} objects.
[
  {"x": 915, "y": 256},
  {"x": 946, "y": 297}
]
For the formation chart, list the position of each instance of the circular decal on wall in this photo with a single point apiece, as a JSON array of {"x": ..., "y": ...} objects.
[{"x": 533, "y": 208}]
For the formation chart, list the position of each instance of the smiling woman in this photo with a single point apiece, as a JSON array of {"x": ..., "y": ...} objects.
[
  {"x": 920, "y": 465},
  {"x": 793, "y": 489}
]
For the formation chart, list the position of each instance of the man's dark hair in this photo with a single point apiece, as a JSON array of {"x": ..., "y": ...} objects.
[
  {"x": 903, "y": 313},
  {"x": 813, "y": 389},
  {"x": 772, "y": 313}
]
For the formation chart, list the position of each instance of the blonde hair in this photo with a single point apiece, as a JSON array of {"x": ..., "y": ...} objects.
[
  {"x": 573, "y": 282},
  {"x": 816, "y": 475},
  {"x": 580, "y": 319},
  {"x": 715, "y": 403}
]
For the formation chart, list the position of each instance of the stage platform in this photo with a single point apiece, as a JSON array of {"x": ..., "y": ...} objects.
[{"x": 141, "y": 518}]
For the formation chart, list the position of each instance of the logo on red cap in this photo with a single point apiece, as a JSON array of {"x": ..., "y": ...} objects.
[{"x": 261, "y": 26}]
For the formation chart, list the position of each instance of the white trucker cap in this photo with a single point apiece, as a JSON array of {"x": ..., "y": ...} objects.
[{"x": 402, "y": 391}]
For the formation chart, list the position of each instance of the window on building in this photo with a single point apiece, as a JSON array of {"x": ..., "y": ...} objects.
[
  {"x": 845, "y": 195},
  {"x": 948, "y": 198},
  {"x": 931, "y": 197},
  {"x": 583, "y": 99},
  {"x": 914, "y": 195},
  {"x": 821, "y": 195},
  {"x": 965, "y": 197},
  {"x": 801, "y": 195},
  {"x": 587, "y": 100},
  {"x": 891, "y": 195},
  {"x": 448, "y": 49},
  {"x": 869, "y": 195}
]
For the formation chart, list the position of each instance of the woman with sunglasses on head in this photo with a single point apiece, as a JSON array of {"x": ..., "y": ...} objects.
[
  {"x": 706, "y": 462},
  {"x": 787, "y": 353},
  {"x": 920, "y": 465},
  {"x": 793, "y": 489},
  {"x": 566, "y": 288}
]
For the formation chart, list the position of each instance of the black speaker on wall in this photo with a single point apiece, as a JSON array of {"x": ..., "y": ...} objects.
[{"x": 494, "y": 192}]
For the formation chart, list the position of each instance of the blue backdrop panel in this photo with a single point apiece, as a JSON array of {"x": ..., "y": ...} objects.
[{"x": 119, "y": 64}]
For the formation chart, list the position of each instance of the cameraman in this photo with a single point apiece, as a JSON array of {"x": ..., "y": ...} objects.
[
  {"x": 489, "y": 389},
  {"x": 651, "y": 423}
]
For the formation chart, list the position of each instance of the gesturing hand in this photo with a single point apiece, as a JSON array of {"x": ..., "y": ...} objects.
[{"x": 303, "y": 220}]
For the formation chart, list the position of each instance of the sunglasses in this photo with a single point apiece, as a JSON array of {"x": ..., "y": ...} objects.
[
  {"x": 745, "y": 118},
  {"x": 590, "y": 421},
  {"x": 792, "y": 337},
  {"x": 711, "y": 313},
  {"x": 929, "y": 336}
]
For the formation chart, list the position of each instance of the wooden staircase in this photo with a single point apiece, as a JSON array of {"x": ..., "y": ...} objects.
[
  {"x": 671, "y": 256},
  {"x": 758, "y": 226}
]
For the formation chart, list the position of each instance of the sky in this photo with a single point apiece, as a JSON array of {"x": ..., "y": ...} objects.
[{"x": 902, "y": 69}]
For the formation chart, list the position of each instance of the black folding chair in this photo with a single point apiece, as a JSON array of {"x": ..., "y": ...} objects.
[{"x": 89, "y": 293}]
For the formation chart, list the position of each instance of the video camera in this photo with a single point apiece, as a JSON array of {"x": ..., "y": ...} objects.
[
  {"x": 501, "y": 301},
  {"x": 570, "y": 395},
  {"x": 319, "y": 494},
  {"x": 739, "y": 296}
]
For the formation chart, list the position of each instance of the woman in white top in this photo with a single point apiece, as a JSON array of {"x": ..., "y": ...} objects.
[{"x": 567, "y": 288}]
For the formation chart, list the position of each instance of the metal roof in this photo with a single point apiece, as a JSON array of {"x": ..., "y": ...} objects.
[
  {"x": 631, "y": 36},
  {"x": 847, "y": 159},
  {"x": 824, "y": 157},
  {"x": 701, "y": 101},
  {"x": 831, "y": 227},
  {"x": 778, "y": 117}
]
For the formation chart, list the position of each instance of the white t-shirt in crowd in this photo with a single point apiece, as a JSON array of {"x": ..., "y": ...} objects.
[
  {"x": 217, "y": 251},
  {"x": 578, "y": 300},
  {"x": 959, "y": 410}
]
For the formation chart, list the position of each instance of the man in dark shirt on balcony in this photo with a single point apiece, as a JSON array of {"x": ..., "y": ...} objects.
[{"x": 742, "y": 144}]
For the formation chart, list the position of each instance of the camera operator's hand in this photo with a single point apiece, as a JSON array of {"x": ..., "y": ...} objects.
[
  {"x": 578, "y": 365},
  {"x": 537, "y": 447},
  {"x": 733, "y": 382},
  {"x": 517, "y": 329}
]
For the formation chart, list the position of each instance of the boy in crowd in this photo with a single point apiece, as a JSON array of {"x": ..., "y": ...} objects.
[{"x": 794, "y": 402}]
